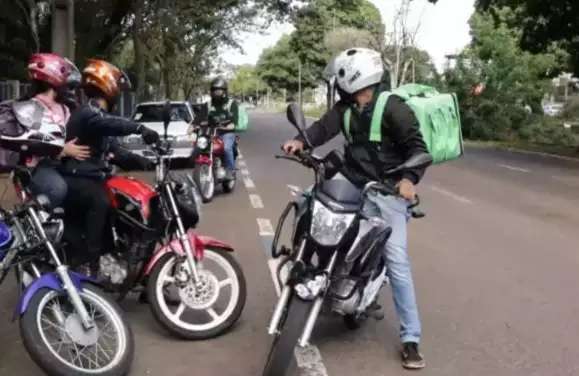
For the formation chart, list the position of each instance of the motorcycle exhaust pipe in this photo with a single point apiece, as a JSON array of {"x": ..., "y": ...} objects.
[{"x": 283, "y": 299}]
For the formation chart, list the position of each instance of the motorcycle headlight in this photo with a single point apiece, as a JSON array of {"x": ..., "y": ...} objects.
[
  {"x": 328, "y": 227},
  {"x": 202, "y": 142}
]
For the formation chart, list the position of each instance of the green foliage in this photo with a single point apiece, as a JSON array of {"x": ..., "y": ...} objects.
[
  {"x": 514, "y": 80},
  {"x": 543, "y": 23},
  {"x": 571, "y": 109},
  {"x": 278, "y": 66},
  {"x": 547, "y": 131},
  {"x": 246, "y": 82}
]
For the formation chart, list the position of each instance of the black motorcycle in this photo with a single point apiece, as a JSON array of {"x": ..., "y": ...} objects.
[{"x": 336, "y": 260}]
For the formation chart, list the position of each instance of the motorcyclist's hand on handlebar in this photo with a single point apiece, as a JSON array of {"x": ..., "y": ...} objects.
[
  {"x": 406, "y": 190},
  {"x": 149, "y": 136},
  {"x": 293, "y": 147}
]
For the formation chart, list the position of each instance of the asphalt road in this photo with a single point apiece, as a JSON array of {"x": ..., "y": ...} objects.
[{"x": 495, "y": 265}]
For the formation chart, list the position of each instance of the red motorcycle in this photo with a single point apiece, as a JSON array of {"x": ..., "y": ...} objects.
[
  {"x": 195, "y": 287},
  {"x": 210, "y": 162}
]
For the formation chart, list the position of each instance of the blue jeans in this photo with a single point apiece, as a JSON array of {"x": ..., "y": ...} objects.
[
  {"x": 229, "y": 145},
  {"x": 46, "y": 180},
  {"x": 394, "y": 211}
]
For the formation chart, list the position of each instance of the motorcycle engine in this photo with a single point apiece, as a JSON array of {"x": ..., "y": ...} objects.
[
  {"x": 219, "y": 170},
  {"x": 114, "y": 270},
  {"x": 348, "y": 306}
]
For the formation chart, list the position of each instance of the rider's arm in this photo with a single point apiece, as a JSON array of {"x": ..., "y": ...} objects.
[
  {"x": 327, "y": 127},
  {"x": 401, "y": 125},
  {"x": 99, "y": 124},
  {"x": 125, "y": 159}
]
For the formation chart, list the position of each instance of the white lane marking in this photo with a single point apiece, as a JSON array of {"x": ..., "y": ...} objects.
[
  {"x": 265, "y": 227},
  {"x": 249, "y": 184},
  {"x": 239, "y": 155},
  {"x": 454, "y": 196},
  {"x": 295, "y": 190},
  {"x": 256, "y": 201},
  {"x": 245, "y": 171},
  {"x": 310, "y": 361},
  {"x": 513, "y": 168},
  {"x": 242, "y": 163}
]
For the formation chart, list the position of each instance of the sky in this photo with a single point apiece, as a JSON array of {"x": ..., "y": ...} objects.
[{"x": 443, "y": 30}]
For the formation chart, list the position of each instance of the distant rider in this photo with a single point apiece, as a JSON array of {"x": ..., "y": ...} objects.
[{"x": 223, "y": 112}]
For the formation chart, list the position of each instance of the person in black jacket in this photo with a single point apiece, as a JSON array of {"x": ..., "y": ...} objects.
[
  {"x": 371, "y": 151},
  {"x": 93, "y": 126}
]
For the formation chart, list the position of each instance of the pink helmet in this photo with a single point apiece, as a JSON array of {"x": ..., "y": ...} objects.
[{"x": 50, "y": 68}]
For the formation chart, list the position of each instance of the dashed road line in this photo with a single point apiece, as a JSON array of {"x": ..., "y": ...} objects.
[
  {"x": 244, "y": 171},
  {"x": 242, "y": 163},
  {"x": 256, "y": 201},
  {"x": 514, "y": 168},
  {"x": 249, "y": 184},
  {"x": 454, "y": 196},
  {"x": 265, "y": 227}
]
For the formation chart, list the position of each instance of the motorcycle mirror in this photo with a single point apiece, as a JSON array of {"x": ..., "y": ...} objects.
[
  {"x": 166, "y": 115},
  {"x": 419, "y": 160},
  {"x": 297, "y": 118}
]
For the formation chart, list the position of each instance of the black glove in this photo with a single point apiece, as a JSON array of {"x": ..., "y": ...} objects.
[{"x": 149, "y": 135}]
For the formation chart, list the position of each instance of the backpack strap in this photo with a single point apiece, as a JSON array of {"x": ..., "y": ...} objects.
[{"x": 377, "y": 115}]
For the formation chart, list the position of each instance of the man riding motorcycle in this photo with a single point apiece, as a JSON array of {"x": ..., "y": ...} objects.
[
  {"x": 223, "y": 111},
  {"x": 360, "y": 77},
  {"x": 93, "y": 126},
  {"x": 46, "y": 110}
]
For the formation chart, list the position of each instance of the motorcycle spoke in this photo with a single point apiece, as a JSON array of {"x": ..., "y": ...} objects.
[
  {"x": 226, "y": 282},
  {"x": 53, "y": 325},
  {"x": 179, "y": 312},
  {"x": 212, "y": 313}
]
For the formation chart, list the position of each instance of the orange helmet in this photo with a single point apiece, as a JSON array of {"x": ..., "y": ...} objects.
[{"x": 105, "y": 77}]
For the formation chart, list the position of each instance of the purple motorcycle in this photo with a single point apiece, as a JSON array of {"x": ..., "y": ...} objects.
[{"x": 67, "y": 324}]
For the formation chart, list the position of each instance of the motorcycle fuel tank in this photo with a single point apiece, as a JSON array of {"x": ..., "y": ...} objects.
[{"x": 122, "y": 189}]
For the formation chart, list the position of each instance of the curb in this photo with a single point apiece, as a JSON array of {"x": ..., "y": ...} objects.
[{"x": 528, "y": 152}]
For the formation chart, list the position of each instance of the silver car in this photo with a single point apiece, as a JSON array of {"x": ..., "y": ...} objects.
[{"x": 150, "y": 115}]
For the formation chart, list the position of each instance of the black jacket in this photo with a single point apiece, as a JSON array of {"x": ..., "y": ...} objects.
[
  {"x": 365, "y": 161},
  {"x": 95, "y": 128}
]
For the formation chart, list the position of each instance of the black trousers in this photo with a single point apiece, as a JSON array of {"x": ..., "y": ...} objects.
[{"x": 87, "y": 201}]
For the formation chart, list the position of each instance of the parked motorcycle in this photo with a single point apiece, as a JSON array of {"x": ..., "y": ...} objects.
[
  {"x": 195, "y": 287},
  {"x": 68, "y": 325},
  {"x": 336, "y": 260},
  {"x": 209, "y": 155}
]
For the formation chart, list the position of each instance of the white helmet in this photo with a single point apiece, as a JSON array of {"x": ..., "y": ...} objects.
[{"x": 357, "y": 68}]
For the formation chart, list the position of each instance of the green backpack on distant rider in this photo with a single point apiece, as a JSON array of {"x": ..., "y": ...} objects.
[
  {"x": 438, "y": 116},
  {"x": 242, "y": 116}
]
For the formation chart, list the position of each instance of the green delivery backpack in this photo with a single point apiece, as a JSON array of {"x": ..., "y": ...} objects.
[
  {"x": 437, "y": 114},
  {"x": 242, "y": 117}
]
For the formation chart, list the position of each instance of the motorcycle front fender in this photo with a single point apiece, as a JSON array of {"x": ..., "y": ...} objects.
[
  {"x": 201, "y": 243},
  {"x": 203, "y": 159},
  {"x": 49, "y": 281}
]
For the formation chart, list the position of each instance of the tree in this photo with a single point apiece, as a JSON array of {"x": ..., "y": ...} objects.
[
  {"x": 246, "y": 82},
  {"x": 543, "y": 23},
  {"x": 513, "y": 79},
  {"x": 314, "y": 21},
  {"x": 343, "y": 38},
  {"x": 278, "y": 66}
]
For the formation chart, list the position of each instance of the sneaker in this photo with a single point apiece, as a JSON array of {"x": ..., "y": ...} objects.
[
  {"x": 411, "y": 357},
  {"x": 230, "y": 175}
]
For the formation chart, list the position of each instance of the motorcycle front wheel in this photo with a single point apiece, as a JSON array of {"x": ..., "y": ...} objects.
[
  {"x": 281, "y": 360},
  {"x": 203, "y": 176},
  {"x": 56, "y": 340},
  {"x": 197, "y": 311}
]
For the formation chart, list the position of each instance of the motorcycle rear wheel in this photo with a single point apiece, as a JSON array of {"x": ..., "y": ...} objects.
[{"x": 281, "y": 360}]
